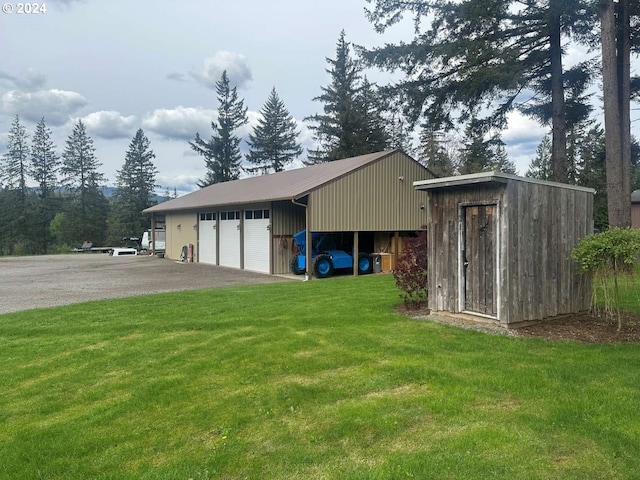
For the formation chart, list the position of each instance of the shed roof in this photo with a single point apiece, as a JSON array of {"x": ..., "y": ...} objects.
[
  {"x": 635, "y": 196},
  {"x": 488, "y": 177},
  {"x": 290, "y": 184}
]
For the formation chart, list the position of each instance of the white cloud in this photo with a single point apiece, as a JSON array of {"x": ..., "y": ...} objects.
[
  {"x": 235, "y": 64},
  {"x": 180, "y": 123},
  {"x": 110, "y": 124},
  {"x": 181, "y": 183},
  {"x": 522, "y": 137},
  {"x": 56, "y": 106}
]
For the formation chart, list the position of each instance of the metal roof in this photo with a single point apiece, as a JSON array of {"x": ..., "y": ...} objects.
[
  {"x": 290, "y": 184},
  {"x": 489, "y": 177}
]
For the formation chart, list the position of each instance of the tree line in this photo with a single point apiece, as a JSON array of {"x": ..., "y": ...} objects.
[{"x": 68, "y": 205}]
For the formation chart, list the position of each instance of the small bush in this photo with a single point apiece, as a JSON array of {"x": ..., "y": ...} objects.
[
  {"x": 606, "y": 255},
  {"x": 411, "y": 270}
]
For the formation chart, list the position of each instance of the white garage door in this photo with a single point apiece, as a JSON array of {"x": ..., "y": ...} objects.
[
  {"x": 230, "y": 239},
  {"x": 207, "y": 238},
  {"x": 256, "y": 240}
]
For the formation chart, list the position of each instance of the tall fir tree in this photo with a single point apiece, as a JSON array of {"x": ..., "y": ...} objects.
[
  {"x": 136, "y": 183},
  {"x": 351, "y": 123},
  {"x": 222, "y": 152},
  {"x": 433, "y": 153},
  {"x": 86, "y": 208},
  {"x": 14, "y": 167},
  {"x": 476, "y": 52},
  {"x": 43, "y": 169},
  {"x": 273, "y": 144},
  {"x": 13, "y": 175},
  {"x": 540, "y": 166},
  {"x": 592, "y": 173}
]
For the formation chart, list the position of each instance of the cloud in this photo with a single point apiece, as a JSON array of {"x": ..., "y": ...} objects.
[
  {"x": 175, "y": 76},
  {"x": 56, "y": 106},
  {"x": 235, "y": 64},
  {"x": 29, "y": 80},
  {"x": 180, "y": 123},
  {"x": 522, "y": 137},
  {"x": 110, "y": 124},
  {"x": 181, "y": 183}
]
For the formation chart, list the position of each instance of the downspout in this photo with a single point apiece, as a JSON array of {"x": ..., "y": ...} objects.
[{"x": 307, "y": 261}]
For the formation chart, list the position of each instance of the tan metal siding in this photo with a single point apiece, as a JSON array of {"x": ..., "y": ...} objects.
[
  {"x": 177, "y": 237},
  {"x": 378, "y": 197}
]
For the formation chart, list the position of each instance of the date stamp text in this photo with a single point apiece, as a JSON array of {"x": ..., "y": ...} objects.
[{"x": 24, "y": 8}]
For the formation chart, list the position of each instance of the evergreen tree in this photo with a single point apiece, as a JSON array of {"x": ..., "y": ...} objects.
[
  {"x": 352, "y": 123},
  {"x": 222, "y": 152},
  {"x": 43, "y": 169},
  {"x": 86, "y": 208},
  {"x": 14, "y": 168},
  {"x": 482, "y": 51},
  {"x": 501, "y": 162},
  {"x": 592, "y": 173},
  {"x": 540, "y": 167},
  {"x": 13, "y": 174},
  {"x": 135, "y": 188},
  {"x": 433, "y": 153},
  {"x": 273, "y": 143},
  {"x": 475, "y": 155}
]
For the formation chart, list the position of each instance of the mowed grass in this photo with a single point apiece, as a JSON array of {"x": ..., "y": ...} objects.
[{"x": 315, "y": 380}]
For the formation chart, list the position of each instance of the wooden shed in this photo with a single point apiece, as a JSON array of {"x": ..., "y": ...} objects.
[{"x": 500, "y": 246}]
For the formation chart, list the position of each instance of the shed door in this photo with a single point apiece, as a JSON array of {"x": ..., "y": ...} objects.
[
  {"x": 207, "y": 238},
  {"x": 256, "y": 240},
  {"x": 230, "y": 239},
  {"x": 479, "y": 259}
]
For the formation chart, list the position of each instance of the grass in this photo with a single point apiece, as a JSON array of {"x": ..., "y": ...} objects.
[{"x": 315, "y": 380}]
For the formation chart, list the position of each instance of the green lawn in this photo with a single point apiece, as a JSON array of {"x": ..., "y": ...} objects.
[{"x": 315, "y": 380}]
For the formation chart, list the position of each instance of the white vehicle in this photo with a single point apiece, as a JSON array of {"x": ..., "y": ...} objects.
[
  {"x": 160, "y": 238},
  {"x": 120, "y": 252}
]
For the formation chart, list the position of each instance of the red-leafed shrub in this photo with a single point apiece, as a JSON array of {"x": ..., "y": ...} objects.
[{"x": 411, "y": 270}]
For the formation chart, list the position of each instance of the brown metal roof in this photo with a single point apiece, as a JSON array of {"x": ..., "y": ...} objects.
[{"x": 266, "y": 188}]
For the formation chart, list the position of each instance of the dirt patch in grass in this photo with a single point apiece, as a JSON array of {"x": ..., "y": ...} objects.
[{"x": 587, "y": 327}]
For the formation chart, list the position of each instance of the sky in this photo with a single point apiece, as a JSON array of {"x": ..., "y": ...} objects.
[{"x": 121, "y": 65}]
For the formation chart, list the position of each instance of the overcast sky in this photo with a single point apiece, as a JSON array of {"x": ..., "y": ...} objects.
[{"x": 122, "y": 64}]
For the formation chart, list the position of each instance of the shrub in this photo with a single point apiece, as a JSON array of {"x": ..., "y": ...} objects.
[
  {"x": 611, "y": 253},
  {"x": 411, "y": 270}
]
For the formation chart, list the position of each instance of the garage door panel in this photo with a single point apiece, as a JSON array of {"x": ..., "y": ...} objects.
[
  {"x": 230, "y": 239},
  {"x": 256, "y": 243},
  {"x": 207, "y": 247}
]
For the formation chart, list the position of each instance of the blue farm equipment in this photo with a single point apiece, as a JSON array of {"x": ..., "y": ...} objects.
[{"x": 325, "y": 257}]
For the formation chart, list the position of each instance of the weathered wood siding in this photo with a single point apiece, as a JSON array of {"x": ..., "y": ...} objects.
[
  {"x": 443, "y": 230},
  {"x": 542, "y": 226},
  {"x": 538, "y": 227}
]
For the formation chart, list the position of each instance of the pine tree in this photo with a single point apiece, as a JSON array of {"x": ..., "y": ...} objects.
[
  {"x": 477, "y": 52},
  {"x": 86, "y": 210},
  {"x": 222, "y": 152},
  {"x": 540, "y": 167},
  {"x": 14, "y": 168},
  {"x": 475, "y": 154},
  {"x": 351, "y": 123},
  {"x": 135, "y": 188},
  {"x": 500, "y": 161},
  {"x": 592, "y": 173},
  {"x": 273, "y": 144},
  {"x": 433, "y": 153},
  {"x": 43, "y": 169},
  {"x": 14, "y": 174}
]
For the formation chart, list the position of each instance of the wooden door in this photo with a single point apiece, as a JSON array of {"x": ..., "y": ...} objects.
[{"x": 479, "y": 259}]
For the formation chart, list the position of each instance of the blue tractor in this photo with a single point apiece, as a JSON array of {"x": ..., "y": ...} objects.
[{"x": 325, "y": 257}]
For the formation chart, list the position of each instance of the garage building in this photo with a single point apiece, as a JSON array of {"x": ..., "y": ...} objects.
[{"x": 368, "y": 201}]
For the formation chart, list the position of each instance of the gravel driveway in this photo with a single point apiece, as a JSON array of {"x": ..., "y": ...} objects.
[{"x": 50, "y": 280}]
